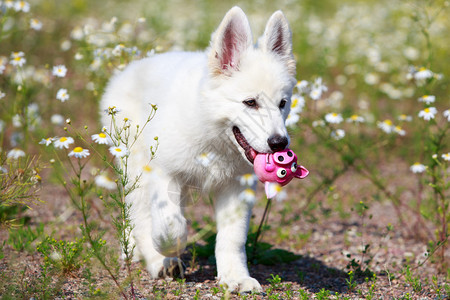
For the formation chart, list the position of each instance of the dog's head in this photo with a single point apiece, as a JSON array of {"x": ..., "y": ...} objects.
[{"x": 252, "y": 85}]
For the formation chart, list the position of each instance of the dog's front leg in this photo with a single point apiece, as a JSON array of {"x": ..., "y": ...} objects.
[{"x": 233, "y": 216}]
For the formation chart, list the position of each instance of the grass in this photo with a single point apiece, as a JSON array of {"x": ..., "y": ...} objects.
[{"x": 384, "y": 179}]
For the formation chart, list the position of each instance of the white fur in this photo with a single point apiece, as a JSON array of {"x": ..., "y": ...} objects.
[{"x": 200, "y": 98}]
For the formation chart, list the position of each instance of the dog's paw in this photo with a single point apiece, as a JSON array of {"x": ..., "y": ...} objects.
[
  {"x": 168, "y": 267},
  {"x": 245, "y": 284}
]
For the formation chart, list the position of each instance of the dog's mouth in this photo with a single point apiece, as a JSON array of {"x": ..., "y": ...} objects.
[{"x": 250, "y": 153}]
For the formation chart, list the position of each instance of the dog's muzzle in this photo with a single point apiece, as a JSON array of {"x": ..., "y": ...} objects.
[{"x": 250, "y": 153}]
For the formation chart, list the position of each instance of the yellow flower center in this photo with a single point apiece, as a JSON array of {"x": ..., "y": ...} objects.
[
  {"x": 398, "y": 128},
  {"x": 388, "y": 122},
  {"x": 102, "y": 135},
  {"x": 334, "y": 114},
  {"x": 427, "y": 110},
  {"x": 147, "y": 168},
  {"x": 354, "y": 117},
  {"x": 118, "y": 150},
  {"x": 63, "y": 139},
  {"x": 17, "y": 58},
  {"x": 278, "y": 188},
  {"x": 294, "y": 102},
  {"x": 78, "y": 150},
  {"x": 422, "y": 69}
]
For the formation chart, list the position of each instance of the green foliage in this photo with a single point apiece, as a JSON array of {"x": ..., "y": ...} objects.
[{"x": 23, "y": 237}]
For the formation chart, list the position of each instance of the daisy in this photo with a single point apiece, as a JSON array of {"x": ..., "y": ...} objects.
[
  {"x": 35, "y": 24},
  {"x": 355, "y": 119},
  {"x": 104, "y": 181},
  {"x": 292, "y": 119},
  {"x": 18, "y": 59},
  {"x": 59, "y": 71},
  {"x": 15, "y": 153},
  {"x": 247, "y": 196},
  {"x": 446, "y": 156},
  {"x": 46, "y": 141},
  {"x": 302, "y": 86},
  {"x": 403, "y": 117},
  {"x": 205, "y": 158},
  {"x": 297, "y": 104},
  {"x": 22, "y": 6},
  {"x": 386, "y": 126},
  {"x": 428, "y": 113},
  {"x": 117, "y": 51},
  {"x": 428, "y": 99},
  {"x": 147, "y": 169},
  {"x": 317, "y": 89},
  {"x": 57, "y": 119},
  {"x": 274, "y": 191},
  {"x": 79, "y": 152},
  {"x": 248, "y": 179},
  {"x": 399, "y": 130},
  {"x": 338, "y": 134},
  {"x": 418, "y": 168},
  {"x": 100, "y": 138},
  {"x": 423, "y": 74},
  {"x": 62, "y": 95},
  {"x": 333, "y": 118},
  {"x": 8, "y": 3},
  {"x": 2, "y": 95},
  {"x": 63, "y": 142},
  {"x": 119, "y": 151},
  {"x": 446, "y": 114}
]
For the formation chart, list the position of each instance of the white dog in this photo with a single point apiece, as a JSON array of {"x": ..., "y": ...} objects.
[{"x": 230, "y": 102}]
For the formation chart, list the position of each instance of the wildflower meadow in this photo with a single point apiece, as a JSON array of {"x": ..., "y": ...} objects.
[{"x": 370, "y": 119}]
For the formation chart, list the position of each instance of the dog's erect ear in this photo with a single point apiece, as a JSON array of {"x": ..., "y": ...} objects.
[
  {"x": 277, "y": 38},
  {"x": 229, "y": 41}
]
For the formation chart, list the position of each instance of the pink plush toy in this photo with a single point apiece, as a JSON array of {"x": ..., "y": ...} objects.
[{"x": 277, "y": 168}]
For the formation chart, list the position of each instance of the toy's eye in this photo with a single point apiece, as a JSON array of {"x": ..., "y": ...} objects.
[
  {"x": 280, "y": 158},
  {"x": 281, "y": 173},
  {"x": 289, "y": 153},
  {"x": 294, "y": 167}
]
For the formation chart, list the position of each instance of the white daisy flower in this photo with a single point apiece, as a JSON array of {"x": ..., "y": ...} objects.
[
  {"x": 302, "y": 86},
  {"x": 248, "y": 179},
  {"x": 428, "y": 99},
  {"x": 446, "y": 114},
  {"x": 22, "y": 6},
  {"x": 119, "y": 151},
  {"x": 62, "y": 95},
  {"x": 446, "y": 156},
  {"x": 15, "y": 153},
  {"x": 422, "y": 74},
  {"x": 318, "y": 123},
  {"x": 63, "y": 142},
  {"x": 248, "y": 196},
  {"x": 46, "y": 141},
  {"x": 59, "y": 71},
  {"x": 404, "y": 117},
  {"x": 428, "y": 113},
  {"x": 338, "y": 134},
  {"x": 35, "y": 24},
  {"x": 418, "y": 168},
  {"x": 8, "y": 3},
  {"x": 333, "y": 118},
  {"x": 57, "y": 119},
  {"x": 100, "y": 138},
  {"x": 117, "y": 51},
  {"x": 292, "y": 120},
  {"x": 275, "y": 191},
  {"x": 399, "y": 130},
  {"x": 205, "y": 158},
  {"x": 104, "y": 181},
  {"x": 17, "y": 59},
  {"x": 355, "y": 119},
  {"x": 317, "y": 89},
  {"x": 79, "y": 152},
  {"x": 17, "y": 120},
  {"x": 297, "y": 103},
  {"x": 2, "y": 95},
  {"x": 386, "y": 126}
]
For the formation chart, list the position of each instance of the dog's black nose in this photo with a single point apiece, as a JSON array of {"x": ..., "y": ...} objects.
[{"x": 277, "y": 142}]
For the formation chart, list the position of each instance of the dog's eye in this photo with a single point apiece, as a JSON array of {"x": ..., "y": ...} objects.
[
  {"x": 251, "y": 103},
  {"x": 294, "y": 167},
  {"x": 282, "y": 104},
  {"x": 281, "y": 173}
]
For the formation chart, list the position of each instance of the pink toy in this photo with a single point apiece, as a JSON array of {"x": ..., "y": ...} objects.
[{"x": 279, "y": 168}]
